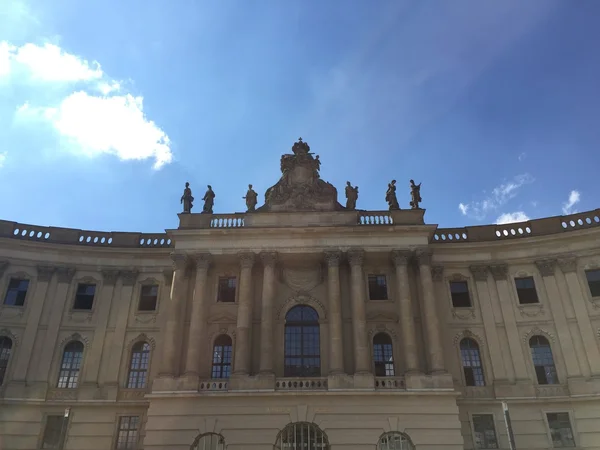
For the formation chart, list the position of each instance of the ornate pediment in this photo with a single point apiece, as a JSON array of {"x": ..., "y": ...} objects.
[{"x": 300, "y": 187}]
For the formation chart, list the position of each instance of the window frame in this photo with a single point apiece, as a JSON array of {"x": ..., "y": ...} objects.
[
  {"x": 117, "y": 429},
  {"x": 64, "y": 433},
  {"x": 221, "y": 365},
  {"x": 468, "y": 293},
  {"x": 18, "y": 278},
  {"x": 533, "y": 366},
  {"x": 302, "y": 356},
  {"x": 59, "y": 369},
  {"x": 5, "y": 376},
  {"x": 228, "y": 275},
  {"x": 85, "y": 281},
  {"x": 570, "y": 414},
  {"x": 374, "y": 362},
  {"x": 472, "y": 427},
  {"x": 482, "y": 364},
  {"x": 138, "y": 371},
  {"x": 388, "y": 434},
  {"x": 378, "y": 274},
  {"x": 142, "y": 286},
  {"x": 589, "y": 290},
  {"x": 521, "y": 276}
]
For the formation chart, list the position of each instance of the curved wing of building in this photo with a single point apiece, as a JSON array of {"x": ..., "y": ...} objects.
[{"x": 302, "y": 324}]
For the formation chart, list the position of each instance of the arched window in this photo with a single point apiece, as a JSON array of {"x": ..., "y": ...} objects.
[
  {"x": 70, "y": 365},
  {"x": 302, "y": 436},
  {"x": 221, "y": 364},
  {"x": 209, "y": 441},
  {"x": 302, "y": 343},
  {"x": 138, "y": 366},
  {"x": 395, "y": 441},
  {"x": 383, "y": 356},
  {"x": 543, "y": 361},
  {"x": 5, "y": 349},
  {"x": 471, "y": 361}
]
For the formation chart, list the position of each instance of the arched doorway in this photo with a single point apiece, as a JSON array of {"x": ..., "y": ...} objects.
[
  {"x": 301, "y": 436},
  {"x": 209, "y": 441}
]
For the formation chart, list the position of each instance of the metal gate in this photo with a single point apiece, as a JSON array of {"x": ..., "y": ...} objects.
[
  {"x": 209, "y": 441},
  {"x": 302, "y": 436}
]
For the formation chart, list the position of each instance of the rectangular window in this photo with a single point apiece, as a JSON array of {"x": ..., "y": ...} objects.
[
  {"x": 148, "y": 298},
  {"x": 84, "y": 298},
  {"x": 484, "y": 431},
  {"x": 378, "y": 287},
  {"x": 526, "y": 290},
  {"x": 128, "y": 432},
  {"x": 560, "y": 430},
  {"x": 593, "y": 279},
  {"x": 459, "y": 290},
  {"x": 54, "y": 432},
  {"x": 16, "y": 292},
  {"x": 227, "y": 286}
]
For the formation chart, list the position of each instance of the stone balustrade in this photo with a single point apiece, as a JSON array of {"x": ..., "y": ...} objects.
[
  {"x": 374, "y": 218},
  {"x": 390, "y": 383},
  {"x": 301, "y": 384},
  {"x": 214, "y": 385}
]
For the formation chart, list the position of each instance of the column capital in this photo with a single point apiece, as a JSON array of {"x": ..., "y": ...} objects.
[
  {"x": 180, "y": 261},
  {"x": 423, "y": 256},
  {"x": 168, "y": 274},
  {"x": 246, "y": 259},
  {"x": 479, "y": 271},
  {"x": 3, "y": 266},
  {"x": 333, "y": 257},
  {"x": 110, "y": 277},
  {"x": 269, "y": 259},
  {"x": 437, "y": 273},
  {"x": 499, "y": 271},
  {"x": 65, "y": 274},
  {"x": 546, "y": 266},
  {"x": 401, "y": 257},
  {"x": 356, "y": 256},
  {"x": 568, "y": 263},
  {"x": 129, "y": 277},
  {"x": 44, "y": 273},
  {"x": 203, "y": 260}
]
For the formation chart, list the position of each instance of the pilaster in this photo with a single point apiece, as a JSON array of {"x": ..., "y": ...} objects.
[
  {"x": 336, "y": 345},
  {"x": 269, "y": 287},
  {"x": 243, "y": 349},
  {"x": 359, "y": 324}
]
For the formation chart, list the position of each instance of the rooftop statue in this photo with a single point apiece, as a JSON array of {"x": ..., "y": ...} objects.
[
  {"x": 187, "y": 199},
  {"x": 415, "y": 195},
  {"x": 300, "y": 187},
  {"x": 351, "y": 196},
  {"x": 390, "y": 196},
  {"x": 251, "y": 199},
  {"x": 209, "y": 201}
]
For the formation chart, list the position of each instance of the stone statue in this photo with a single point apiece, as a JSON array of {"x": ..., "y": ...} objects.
[
  {"x": 415, "y": 195},
  {"x": 390, "y": 196},
  {"x": 251, "y": 199},
  {"x": 209, "y": 201},
  {"x": 187, "y": 199},
  {"x": 351, "y": 196}
]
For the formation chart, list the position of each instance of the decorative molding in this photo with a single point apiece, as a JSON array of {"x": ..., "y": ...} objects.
[
  {"x": 269, "y": 259},
  {"x": 65, "y": 274},
  {"x": 302, "y": 299},
  {"x": 129, "y": 277},
  {"x": 62, "y": 394},
  {"x": 382, "y": 328},
  {"x": 9, "y": 334},
  {"x": 110, "y": 277},
  {"x": 458, "y": 277},
  {"x": 546, "y": 266},
  {"x": 180, "y": 260},
  {"x": 145, "y": 318},
  {"x": 471, "y": 335},
  {"x": 222, "y": 318},
  {"x": 44, "y": 273},
  {"x": 142, "y": 337},
  {"x": 302, "y": 279},
  {"x": 463, "y": 313},
  {"x": 246, "y": 259},
  {"x": 222, "y": 331},
  {"x": 423, "y": 256},
  {"x": 479, "y": 271},
  {"x": 132, "y": 394},
  {"x": 535, "y": 331},
  {"x": 499, "y": 271},
  {"x": 80, "y": 316},
  {"x": 401, "y": 257},
  {"x": 11, "y": 312},
  {"x": 168, "y": 275},
  {"x": 3, "y": 266},
  {"x": 532, "y": 310},
  {"x": 568, "y": 263},
  {"x": 333, "y": 257},
  {"x": 356, "y": 256},
  {"x": 203, "y": 260},
  {"x": 382, "y": 317},
  {"x": 556, "y": 390},
  {"x": 75, "y": 337},
  {"x": 437, "y": 273}
]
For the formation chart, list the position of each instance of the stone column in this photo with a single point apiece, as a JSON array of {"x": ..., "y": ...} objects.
[
  {"x": 171, "y": 351},
  {"x": 359, "y": 323},
  {"x": 431, "y": 321},
  {"x": 401, "y": 259},
  {"x": 243, "y": 350},
  {"x": 64, "y": 278},
  {"x": 546, "y": 268},
  {"x": 568, "y": 265},
  {"x": 197, "y": 331},
  {"x": 336, "y": 349},
  {"x": 36, "y": 305},
  {"x": 269, "y": 287}
]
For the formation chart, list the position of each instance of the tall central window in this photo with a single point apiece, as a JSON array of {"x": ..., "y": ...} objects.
[{"x": 302, "y": 343}]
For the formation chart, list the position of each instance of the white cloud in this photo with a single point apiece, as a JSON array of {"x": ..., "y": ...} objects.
[
  {"x": 97, "y": 116},
  {"x": 517, "y": 216},
  {"x": 522, "y": 156},
  {"x": 574, "y": 198},
  {"x": 2, "y": 159},
  {"x": 499, "y": 196}
]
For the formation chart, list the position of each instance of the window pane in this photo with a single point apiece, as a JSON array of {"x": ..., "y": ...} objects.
[
  {"x": 560, "y": 430},
  {"x": 459, "y": 291},
  {"x": 70, "y": 365},
  {"x": 128, "y": 432},
  {"x": 53, "y": 432},
  {"x": 148, "y": 298},
  {"x": 484, "y": 431},
  {"x": 471, "y": 361},
  {"x": 16, "y": 292},
  {"x": 84, "y": 299},
  {"x": 302, "y": 343},
  {"x": 383, "y": 358},
  {"x": 593, "y": 279},
  {"x": 227, "y": 287},
  {"x": 5, "y": 350},
  {"x": 526, "y": 290},
  {"x": 543, "y": 360},
  {"x": 378, "y": 287},
  {"x": 222, "y": 355},
  {"x": 138, "y": 366}
]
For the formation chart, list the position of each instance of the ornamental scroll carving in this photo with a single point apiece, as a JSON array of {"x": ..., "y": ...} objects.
[
  {"x": 537, "y": 331},
  {"x": 302, "y": 279}
]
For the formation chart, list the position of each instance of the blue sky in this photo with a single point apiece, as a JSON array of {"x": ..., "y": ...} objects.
[{"x": 108, "y": 108}]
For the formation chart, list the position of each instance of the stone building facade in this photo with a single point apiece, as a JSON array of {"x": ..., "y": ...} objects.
[{"x": 312, "y": 329}]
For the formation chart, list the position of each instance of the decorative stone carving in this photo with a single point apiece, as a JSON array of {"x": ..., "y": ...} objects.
[
  {"x": 268, "y": 258},
  {"x": 11, "y": 312},
  {"x": 351, "y": 196},
  {"x": 203, "y": 260},
  {"x": 333, "y": 257},
  {"x": 44, "y": 273},
  {"x": 110, "y": 277},
  {"x": 300, "y": 187},
  {"x": 382, "y": 328},
  {"x": 567, "y": 263},
  {"x": 401, "y": 257},
  {"x": 356, "y": 257},
  {"x": 80, "y": 316},
  {"x": 390, "y": 196},
  {"x": 230, "y": 331},
  {"x": 75, "y": 337},
  {"x": 302, "y": 299},
  {"x": 13, "y": 337},
  {"x": 533, "y": 310},
  {"x": 187, "y": 199},
  {"x": 129, "y": 277},
  {"x": 535, "y": 331},
  {"x": 132, "y": 394},
  {"x": 168, "y": 275},
  {"x": 62, "y": 394},
  {"x": 145, "y": 318},
  {"x": 3, "y": 267},
  {"x": 471, "y": 335},
  {"x": 302, "y": 279},
  {"x": 479, "y": 271},
  {"x": 209, "y": 200},
  {"x": 499, "y": 271},
  {"x": 246, "y": 259},
  {"x": 463, "y": 313},
  {"x": 180, "y": 261},
  {"x": 65, "y": 274},
  {"x": 552, "y": 391},
  {"x": 142, "y": 337},
  {"x": 251, "y": 199},
  {"x": 423, "y": 256},
  {"x": 546, "y": 267},
  {"x": 415, "y": 195},
  {"x": 437, "y": 273}
]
